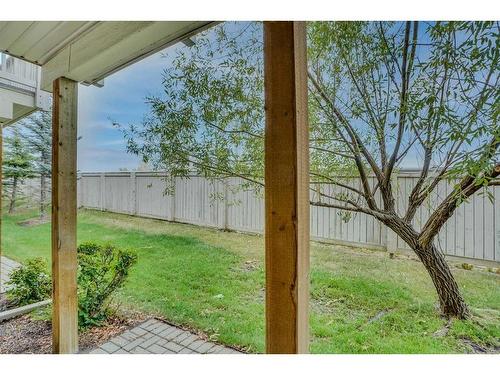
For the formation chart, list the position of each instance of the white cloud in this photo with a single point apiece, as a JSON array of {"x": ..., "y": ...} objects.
[{"x": 102, "y": 146}]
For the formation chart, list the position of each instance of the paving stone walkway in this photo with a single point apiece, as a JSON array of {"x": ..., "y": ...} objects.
[
  {"x": 156, "y": 337},
  {"x": 6, "y": 267}
]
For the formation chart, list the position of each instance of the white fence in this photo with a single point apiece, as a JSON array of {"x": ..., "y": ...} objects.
[{"x": 473, "y": 232}]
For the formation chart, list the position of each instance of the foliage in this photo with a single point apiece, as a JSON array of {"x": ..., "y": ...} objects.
[
  {"x": 30, "y": 282},
  {"x": 17, "y": 160},
  {"x": 17, "y": 165},
  {"x": 381, "y": 95},
  {"x": 182, "y": 269},
  {"x": 102, "y": 269},
  {"x": 467, "y": 266},
  {"x": 406, "y": 91},
  {"x": 211, "y": 118},
  {"x": 38, "y": 136},
  {"x": 211, "y": 115}
]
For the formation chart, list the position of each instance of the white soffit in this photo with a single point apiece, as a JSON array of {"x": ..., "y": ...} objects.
[{"x": 89, "y": 51}]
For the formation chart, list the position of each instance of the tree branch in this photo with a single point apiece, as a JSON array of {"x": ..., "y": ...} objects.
[{"x": 466, "y": 188}]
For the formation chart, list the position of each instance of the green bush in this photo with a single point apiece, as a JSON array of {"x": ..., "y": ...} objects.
[
  {"x": 467, "y": 266},
  {"x": 29, "y": 283},
  {"x": 101, "y": 271}
]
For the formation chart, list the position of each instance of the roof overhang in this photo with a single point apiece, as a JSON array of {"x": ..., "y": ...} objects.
[{"x": 89, "y": 51}]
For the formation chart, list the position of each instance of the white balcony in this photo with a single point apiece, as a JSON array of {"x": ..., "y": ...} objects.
[{"x": 20, "y": 92}]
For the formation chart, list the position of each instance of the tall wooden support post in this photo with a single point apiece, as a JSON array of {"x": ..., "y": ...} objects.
[
  {"x": 64, "y": 202},
  {"x": 1, "y": 202},
  {"x": 287, "y": 188}
]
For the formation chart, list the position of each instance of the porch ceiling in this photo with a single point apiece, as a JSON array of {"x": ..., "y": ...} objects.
[{"x": 88, "y": 51}]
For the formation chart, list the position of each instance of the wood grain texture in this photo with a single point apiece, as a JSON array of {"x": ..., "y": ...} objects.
[
  {"x": 1, "y": 203},
  {"x": 64, "y": 208},
  {"x": 287, "y": 188}
]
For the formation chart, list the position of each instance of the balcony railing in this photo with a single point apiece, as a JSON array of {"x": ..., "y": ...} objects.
[{"x": 18, "y": 74}]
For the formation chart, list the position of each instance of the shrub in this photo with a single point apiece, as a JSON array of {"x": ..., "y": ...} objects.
[
  {"x": 30, "y": 283},
  {"x": 467, "y": 266},
  {"x": 101, "y": 271}
]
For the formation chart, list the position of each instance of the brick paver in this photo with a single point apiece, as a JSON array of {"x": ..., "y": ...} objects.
[{"x": 156, "y": 337}]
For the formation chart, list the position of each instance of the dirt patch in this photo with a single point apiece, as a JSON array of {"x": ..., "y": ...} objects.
[
  {"x": 25, "y": 335},
  {"x": 34, "y": 222},
  {"x": 476, "y": 348},
  {"x": 377, "y": 316},
  {"x": 248, "y": 266},
  {"x": 442, "y": 332},
  {"x": 324, "y": 305}
]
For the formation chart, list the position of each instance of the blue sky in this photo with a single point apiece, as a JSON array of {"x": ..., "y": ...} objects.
[{"x": 102, "y": 147}]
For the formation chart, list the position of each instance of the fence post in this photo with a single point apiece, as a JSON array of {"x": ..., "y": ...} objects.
[
  {"x": 391, "y": 242},
  {"x": 132, "y": 195},
  {"x": 103, "y": 191},
  {"x": 172, "y": 199},
  {"x": 79, "y": 191},
  {"x": 225, "y": 224}
]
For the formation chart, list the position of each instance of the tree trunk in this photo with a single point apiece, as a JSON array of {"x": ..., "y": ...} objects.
[
  {"x": 450, "y": 299},
  {"x": 12, "y": 205},
  {"x": 43, "y": 191}
]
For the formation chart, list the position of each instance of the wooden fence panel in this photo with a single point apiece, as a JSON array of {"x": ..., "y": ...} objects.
[
  {"x": 90, "y": 193},
  {"x": 116, "y": 193},
  {"x": 472, "y": 232},
  {"x": 151, "y": 200},
  {"x": 199, "y": 201},
  {"x": 245, "y": 208}
]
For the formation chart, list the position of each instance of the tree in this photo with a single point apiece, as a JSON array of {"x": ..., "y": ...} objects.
[
  {"x": 39, "y": 139},
  {"x": 381, "y": 93},
  {"x": 17, "y": 165}
]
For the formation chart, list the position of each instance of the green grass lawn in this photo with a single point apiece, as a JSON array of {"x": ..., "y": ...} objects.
[{"x": 361, "y": 301}]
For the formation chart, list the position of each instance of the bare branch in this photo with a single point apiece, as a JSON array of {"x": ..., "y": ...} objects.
[
  {"x": 332, "y": 152},
  {"x": 358, "y": 146},
  {"x": 402, "y": 104},
  {"x": 335, "y": 182}
]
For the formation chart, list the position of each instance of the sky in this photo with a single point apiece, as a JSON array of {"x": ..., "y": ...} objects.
[{"x": 102, "y": 146}]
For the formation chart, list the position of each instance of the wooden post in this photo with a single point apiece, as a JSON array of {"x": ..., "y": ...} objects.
[
  {"x": 287, "y": 188},
  {"x": 64, "y": 263},
  {"x": 133, "y": 194},
  {"x": 102, "y": 184},
  {"x": 79, "y": 198},
  {"x": 1, "y": 202},
  {"x": 225, "y": 224},
  {"x": 172, "y": 198}
]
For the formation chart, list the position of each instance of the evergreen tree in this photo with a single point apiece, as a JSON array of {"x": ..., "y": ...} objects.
[
  {"x": 39, "y": 139},
  {"x": 17, "y": 165}
]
